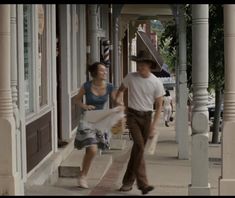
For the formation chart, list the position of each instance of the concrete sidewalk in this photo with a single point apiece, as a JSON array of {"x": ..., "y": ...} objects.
[{"x": 168, "y": 174}]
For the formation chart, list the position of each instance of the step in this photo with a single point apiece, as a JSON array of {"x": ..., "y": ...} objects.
[
  {"x": 71, "y": 166},
  {"x": 47, "y": 172},
  {"x": 47, "y": 190}
]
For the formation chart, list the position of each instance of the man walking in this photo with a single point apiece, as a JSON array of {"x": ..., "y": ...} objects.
[{"x": 144, "y": 90}]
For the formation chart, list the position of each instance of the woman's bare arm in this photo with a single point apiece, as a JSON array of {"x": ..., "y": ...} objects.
[
  {"x": 119, "y": 95},
  {"x": 79, "y": 100}
]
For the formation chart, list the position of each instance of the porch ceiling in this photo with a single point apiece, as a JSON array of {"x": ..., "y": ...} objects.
[
  {"x": 131, "y": 12},
  {"x": 147, "y": 9}
]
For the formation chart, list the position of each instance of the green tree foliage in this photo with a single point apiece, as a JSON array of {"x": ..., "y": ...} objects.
[
  {"x": 170, "y": 34},
  {"x": 216, "y": 52},
  {"x": 216, "y": 43},
  {"x": 216, "y": 62},
  {"x": 167, "y": 54},
  {"x": 188, "y": 17},
  {"x": 168, "y": 44}
]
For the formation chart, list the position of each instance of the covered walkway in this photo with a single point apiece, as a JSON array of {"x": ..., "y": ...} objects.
[{"x": 169, "y": 175}]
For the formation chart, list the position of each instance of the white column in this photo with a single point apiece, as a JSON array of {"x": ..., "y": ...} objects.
[
  {"x": 227, "y": 180},
  {"x": 82, "y": 62},
  {"x": 21, "y": 87},
  {"x": 120, "y": 56},
  {"x": 116, "y": 60},
  {"x": 9, "y": 178},
  {"x": 74, "y": 47},
  {"x": 14, "y": 79},
  {"x": 200, "y": 127},
  {"x": 65, "y": 35},
  {"x": 54, "y": 78},
  {"x": 93, "y": 33},
  {"x": 177, "y": 95},
  {"x": 183, "y": 140},
  {"x": 116, "y": 142}
]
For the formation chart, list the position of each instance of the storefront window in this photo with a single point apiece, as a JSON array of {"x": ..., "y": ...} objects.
[
  {"x": 35, "y": 57},
  {"x": 28, "y": 59},
  {"x": 74, "y": 48},
  {"x": 42, "y": 55}
]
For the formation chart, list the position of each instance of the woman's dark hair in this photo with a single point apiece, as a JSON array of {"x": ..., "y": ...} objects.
[
  {"x": 167, "y": 93},
  {"x": 93, "y": 69}
]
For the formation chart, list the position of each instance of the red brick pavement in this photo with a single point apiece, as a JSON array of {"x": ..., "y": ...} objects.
[{"x": 107, "y": 183}]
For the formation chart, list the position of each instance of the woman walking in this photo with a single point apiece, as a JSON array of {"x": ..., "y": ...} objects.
[
  {"x": 168, "y": 107},
  {"x": 97, "y": 91}
]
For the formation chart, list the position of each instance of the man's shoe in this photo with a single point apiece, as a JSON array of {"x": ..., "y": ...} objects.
[
  {"x": 125, "y": 188},
  {"x": 146, "y": 189},
  {"x": 166, "y": 124}
]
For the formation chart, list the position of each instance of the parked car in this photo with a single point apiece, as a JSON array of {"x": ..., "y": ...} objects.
[{"x": 211, "y": 110}]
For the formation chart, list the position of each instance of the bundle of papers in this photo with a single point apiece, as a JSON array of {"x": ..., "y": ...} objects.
[
  {"x": 151, "y": 144},
  {"x": 105, "y": 118}
]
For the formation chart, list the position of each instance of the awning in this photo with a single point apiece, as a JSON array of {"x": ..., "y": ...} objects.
[
  {"x": 163, "y": 73},
  {"x": 144, "y": 43}
]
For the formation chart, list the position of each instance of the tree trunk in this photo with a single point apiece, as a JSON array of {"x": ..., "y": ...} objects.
[{"x": 216, "y": 122}]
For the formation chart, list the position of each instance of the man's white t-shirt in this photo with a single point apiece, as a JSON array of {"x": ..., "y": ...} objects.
[{"x": 142, "y": 92}]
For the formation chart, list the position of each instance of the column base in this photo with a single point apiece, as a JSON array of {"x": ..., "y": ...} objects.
[
  {"x": 10, "y": 185},
  {"x": 194, "y": 190},
  {"x": 226, "y": 186}
]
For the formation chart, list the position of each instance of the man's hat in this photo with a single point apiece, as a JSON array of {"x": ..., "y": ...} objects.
[{"x": 146, "y": 51}]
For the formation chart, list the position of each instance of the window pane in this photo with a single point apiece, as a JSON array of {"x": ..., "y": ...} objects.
[
  {"x": 42, "y": 55},
  {"x": 28, "y": 61}
]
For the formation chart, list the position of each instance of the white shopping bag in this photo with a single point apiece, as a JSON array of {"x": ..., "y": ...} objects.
[{"x": 151, "y": 144}]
